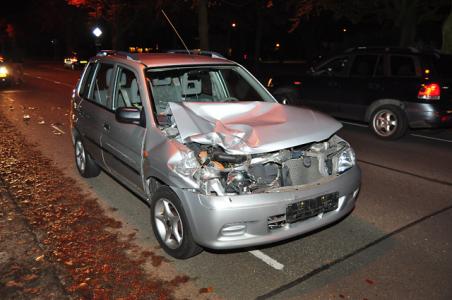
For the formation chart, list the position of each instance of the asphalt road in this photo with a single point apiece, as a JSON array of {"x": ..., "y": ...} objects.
[{"x": 396, "y": 244}]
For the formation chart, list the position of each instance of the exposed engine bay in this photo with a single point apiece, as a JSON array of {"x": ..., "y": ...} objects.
[{"x": 220, "y": 173}]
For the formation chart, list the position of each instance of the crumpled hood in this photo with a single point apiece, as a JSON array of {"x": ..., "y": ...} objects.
[{"x": 250, "y": 127}]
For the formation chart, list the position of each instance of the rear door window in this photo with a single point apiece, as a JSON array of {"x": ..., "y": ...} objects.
[
  {"x": 101, "y": 85},
  {"x": 363, "y": 65},
  {"x": 402, "y": 66},
  {"x": 87, "y": 81}
]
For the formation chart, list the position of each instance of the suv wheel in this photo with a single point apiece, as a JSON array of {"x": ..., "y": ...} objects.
[
  {"x": 170, "y": 225},
  {"x": 389, "y": 122},
  {"x": 86, "y": 166}
]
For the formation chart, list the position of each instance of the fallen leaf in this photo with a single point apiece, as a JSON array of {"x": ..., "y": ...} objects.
[
  {"x": 82, "y": 286},
  {"x": 369, "y": 281},
  {"x": 68, "y": 263},
  {"x": 39, "y": 258},
  {"x": 13, "y": 283},
  {"x": 31, "y": 290},
  {"x": 206, "y": 290},
  {"x": 30, "y": 277}
]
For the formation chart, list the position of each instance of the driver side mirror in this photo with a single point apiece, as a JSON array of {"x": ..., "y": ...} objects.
[{"x": 129, "y": 115}]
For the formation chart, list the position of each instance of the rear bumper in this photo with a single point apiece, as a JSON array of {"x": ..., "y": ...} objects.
[
  {"x": 428, "y": 115},
  {"x": 226, "y": 222}
]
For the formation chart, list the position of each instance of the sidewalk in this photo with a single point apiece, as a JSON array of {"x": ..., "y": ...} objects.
[
  {"x": 24, "y": 273},
  {"x": 57, "y": 242}
]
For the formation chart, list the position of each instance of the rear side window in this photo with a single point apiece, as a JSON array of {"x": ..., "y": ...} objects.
[
  {"x": 87, "y": 81},
  {"x": 101, "y": 84},
  {"x": 402, "y": 66},
  {"x": 363, "y": 65}
]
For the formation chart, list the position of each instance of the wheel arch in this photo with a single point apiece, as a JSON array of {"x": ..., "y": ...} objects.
[
  {"x": 152, "y": 185},
  {"x": 75, "y": 134},
  {"x": 381, "y": 102}
]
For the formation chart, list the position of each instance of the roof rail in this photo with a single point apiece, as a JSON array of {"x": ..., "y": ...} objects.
[
  {"x": 212, "y": 54},
  {"x": 127, "y": 55},
  {"x": 383, "y": 49}
]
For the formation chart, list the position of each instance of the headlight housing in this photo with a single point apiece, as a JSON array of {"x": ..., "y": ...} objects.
[
  {"x": 346, "y": 160},
  {"x": 188, "y": 165},
  {"x": 3, "y": 71}
]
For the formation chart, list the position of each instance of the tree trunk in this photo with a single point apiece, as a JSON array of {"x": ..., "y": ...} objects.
[
  {"x": 259, "y": 33},
  {"x": 408, "y": 24},
  {"x": 447, "y": 35},
  {"x": 203, "y": 25}
]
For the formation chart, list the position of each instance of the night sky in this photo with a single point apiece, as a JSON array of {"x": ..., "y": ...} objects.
[{"x": 52, "y": 29}]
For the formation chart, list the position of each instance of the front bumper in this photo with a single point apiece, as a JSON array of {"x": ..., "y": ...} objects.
[
  {"x": 227, "y": 222},
  {"x": 6, "y": 79},
  {"x": 428, "y": 115}
]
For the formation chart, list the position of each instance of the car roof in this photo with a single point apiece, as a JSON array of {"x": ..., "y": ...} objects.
[
  {"x": 155, "y": 60},
  {"x": 392, "y": 50}
]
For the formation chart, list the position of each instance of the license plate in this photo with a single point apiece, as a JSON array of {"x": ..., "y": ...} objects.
[
  {"x": 83, "y": 61},
  {"x": 309, "y": 208}
]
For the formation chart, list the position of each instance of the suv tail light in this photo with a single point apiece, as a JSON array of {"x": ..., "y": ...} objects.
[{"x": 431, "y": 91}]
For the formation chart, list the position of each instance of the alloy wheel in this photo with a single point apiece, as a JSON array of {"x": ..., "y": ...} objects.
[
  {"x": 169, "y": 223},
  {"x": 80, "y": 156},
  {"x": 385, "y": 122}
]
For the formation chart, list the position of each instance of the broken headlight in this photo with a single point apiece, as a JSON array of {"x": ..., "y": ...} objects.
[
  {"x": 346, "y": 160},
  {"x": 187, "y": 165}
]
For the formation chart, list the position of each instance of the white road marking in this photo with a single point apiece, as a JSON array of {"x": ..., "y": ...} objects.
[
  {"x": 50, "y": 80},
  {"x": 412, "y": 134},
  {"x": 267, "y": 259},
  {"x": 431, "y": 138},
  {"x": 355, "y": 124},
  {"x": 57, "y": 129}
]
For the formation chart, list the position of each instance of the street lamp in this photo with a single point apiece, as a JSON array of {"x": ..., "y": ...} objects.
[{"x": 97, "y": 33}]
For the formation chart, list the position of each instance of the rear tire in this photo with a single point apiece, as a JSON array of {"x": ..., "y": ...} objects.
[
  {"x": 389, "y": 122},
  {"x": 170, "y": 225},
  {"x": 86, "y": 166}
]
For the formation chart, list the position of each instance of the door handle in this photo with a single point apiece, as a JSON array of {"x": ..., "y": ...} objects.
[{"x": 106, "y": 126}]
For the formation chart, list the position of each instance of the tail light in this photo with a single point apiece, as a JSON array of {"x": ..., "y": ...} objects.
[{"x": 431, "y": 91}]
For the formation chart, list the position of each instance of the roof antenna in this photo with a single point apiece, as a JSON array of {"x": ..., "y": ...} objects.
[{"x": 175, "y": 30}]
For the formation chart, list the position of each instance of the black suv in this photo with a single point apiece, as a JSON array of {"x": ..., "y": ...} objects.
[{"x": 389, "y": 88}]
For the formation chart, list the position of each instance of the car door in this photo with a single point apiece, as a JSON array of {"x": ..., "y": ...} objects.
[
  {"x": 404, "y": 77},
  {"x": 362, "y": 86},
  {"x": 321, "y": 89},
  {"x": 123, "y": 143},
  {"x": 93, "y": 107}
]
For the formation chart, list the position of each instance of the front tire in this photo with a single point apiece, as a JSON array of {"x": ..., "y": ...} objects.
[
  {"x": 389, "y": 122},
  {"x": 86, "y": 166},
  {"x": 170, "y": 225}
]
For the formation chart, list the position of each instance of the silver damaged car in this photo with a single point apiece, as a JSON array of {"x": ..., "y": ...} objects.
[{"x": 221, "y": 163}]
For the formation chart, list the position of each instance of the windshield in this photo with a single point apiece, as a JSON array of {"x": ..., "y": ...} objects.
[{"x": 203, "y": 84}]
